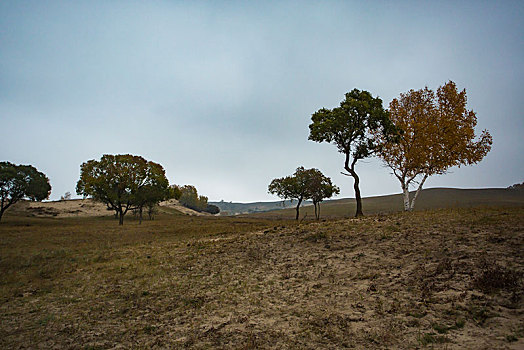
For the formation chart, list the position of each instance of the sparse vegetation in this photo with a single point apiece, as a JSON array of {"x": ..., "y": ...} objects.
[
  {"x": 209, "y": 282},
  {"x": 492, "y": 277}
]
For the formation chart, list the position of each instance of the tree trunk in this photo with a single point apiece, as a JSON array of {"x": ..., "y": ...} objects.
[
  {"x": 405, "y": 192},
  {"x": 352, "y": 172},
  {"x": 315, "y": 205},
  {"x": 298, "y": 208},
  {"x": 140, "y": 215},
  {"x": 357, "y": 196},
  {"x": 4, "y": 207},
  {"x": 412, "y": 205},
  {"x": 120, "y": 217}
]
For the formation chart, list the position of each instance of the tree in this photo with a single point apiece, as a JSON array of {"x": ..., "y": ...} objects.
[
  {"x": 66, "y": 196},
  {"x": 21, "y": 181},
  {"x": 150, "y": 194},
  {"x": 292, "y": 187},
  {"x": 174, "y": 192},
  {"x": 320, "y": 188},
  {"x": 189, "y": 198},
  {"x": 437, "y": 132},
  {"x": 122, "y": 182},
  {"x": 349, "y": 127},
  {"x": 212, "y": 209}
]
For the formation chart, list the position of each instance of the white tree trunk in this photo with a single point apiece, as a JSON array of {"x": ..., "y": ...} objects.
[
  {"x": 405, "y": 191},
  {"x": 412, "y": 205}
]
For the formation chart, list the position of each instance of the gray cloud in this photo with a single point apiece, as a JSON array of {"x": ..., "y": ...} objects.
[{"x": 221, "y": 94}]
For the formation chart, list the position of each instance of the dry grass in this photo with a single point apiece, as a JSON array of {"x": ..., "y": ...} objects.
[
  {"x": 431, "y": 198},
  {"x": 397, "y": 281}
]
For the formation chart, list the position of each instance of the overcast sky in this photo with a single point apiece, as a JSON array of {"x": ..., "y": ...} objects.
[{"x": 221, "y": 93}]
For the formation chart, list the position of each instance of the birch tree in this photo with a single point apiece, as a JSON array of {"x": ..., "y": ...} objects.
[{"x": 437, "y": 132}]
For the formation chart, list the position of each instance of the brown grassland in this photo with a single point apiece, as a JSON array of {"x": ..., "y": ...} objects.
[{"x": 446, "y": 278}]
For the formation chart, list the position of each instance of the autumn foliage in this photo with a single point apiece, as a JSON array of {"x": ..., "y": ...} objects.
[{"x": 437, "y": 132}]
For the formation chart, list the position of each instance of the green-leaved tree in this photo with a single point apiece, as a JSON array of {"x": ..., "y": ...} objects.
[
  {"x": 320, "y": 188},
  {"x": 21, "y": 181},
  {"x": 189, "y": 198},
  {"x": 304, "y": 184},
  {"x": 122, "y": 182},
  {"x": 349, "y": 127}
]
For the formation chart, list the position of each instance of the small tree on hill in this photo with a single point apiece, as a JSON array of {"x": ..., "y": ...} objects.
[
  {"x": 292, "y": 187},
  {"x": 320, "y": 188},
  {"x": 151, "y": 194},
  {"x": 349, "y": 127},
  {"x": 437, "y": 133},
  {"x": 122, "y": 182},
  {"x": 189, "y": 198},
  {"x": 21, "y": 181}
]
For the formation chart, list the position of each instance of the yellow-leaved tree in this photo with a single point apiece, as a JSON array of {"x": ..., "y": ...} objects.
[{"x": 437, "y": 132}]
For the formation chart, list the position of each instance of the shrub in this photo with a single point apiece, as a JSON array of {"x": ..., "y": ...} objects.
[{"x": 493, "y": 276}]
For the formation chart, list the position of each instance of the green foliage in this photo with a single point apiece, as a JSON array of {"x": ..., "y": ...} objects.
[
  {"x": 123, "y": 182},
  {"x": 174, "y": 192},
  {"x": 320, "y": 188},
  {"x": 292, "y": 187},
  {"x": 212, "y": 209},
  {"x": 350, "y": 127},
  {"x": 189, "y": 198},
  {"x": 21, "y": 181},
  {"x": 302, "y": 185}
]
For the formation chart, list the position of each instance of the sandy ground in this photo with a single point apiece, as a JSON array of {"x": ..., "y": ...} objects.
[
  {"x": 83, "y": 208},
  {"x": 174, "y": 204},
  {"x": 448, "y": 279}
]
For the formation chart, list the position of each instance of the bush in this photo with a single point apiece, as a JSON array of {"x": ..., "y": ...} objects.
[
  {"x": 212, "y": 209},
  {"x": 493, "y": 277}
]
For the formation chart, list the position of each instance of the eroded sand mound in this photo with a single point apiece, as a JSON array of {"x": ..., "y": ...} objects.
[
  {"x": 64, "y": 208},
  {"x": 174, "y": 204},
  {"x": 83, "y": 208}
]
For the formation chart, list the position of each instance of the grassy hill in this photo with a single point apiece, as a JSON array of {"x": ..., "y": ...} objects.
[{"x": 432, "y": 198}]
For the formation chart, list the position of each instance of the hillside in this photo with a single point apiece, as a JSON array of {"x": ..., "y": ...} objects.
[
  {"x": 85, "y": 208},
  {"x": 432, "y": 198},
  {"x": 230, "y": 208},
  {"x": 445, "y": 279}
]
